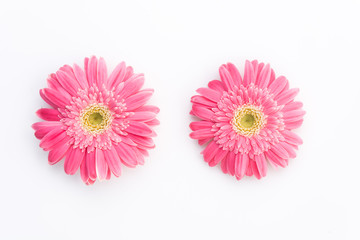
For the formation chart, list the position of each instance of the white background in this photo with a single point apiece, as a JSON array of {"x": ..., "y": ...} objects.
[{"x": 179, "y": 45}]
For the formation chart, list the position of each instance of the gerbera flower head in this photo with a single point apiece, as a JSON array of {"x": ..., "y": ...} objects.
[
  {"x": 96, "y": 122},
  {"x": 247, "y": 121}
]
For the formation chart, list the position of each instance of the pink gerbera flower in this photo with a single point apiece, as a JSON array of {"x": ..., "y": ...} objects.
[
  {"x": 247, "y": 121},
  {"x": 97, "y": 122}
]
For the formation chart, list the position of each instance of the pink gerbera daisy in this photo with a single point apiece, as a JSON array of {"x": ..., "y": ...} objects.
[
  {"x": 97, "y": 123},
  {"x": 247, "y": 120}
]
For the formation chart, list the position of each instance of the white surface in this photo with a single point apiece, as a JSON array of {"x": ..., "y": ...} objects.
[{"x": 179, "y": 45}]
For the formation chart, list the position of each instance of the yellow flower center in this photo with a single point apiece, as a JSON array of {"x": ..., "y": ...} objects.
[
  {"x": 248, "y": 120},
  {"x": 96, "y": 118}
]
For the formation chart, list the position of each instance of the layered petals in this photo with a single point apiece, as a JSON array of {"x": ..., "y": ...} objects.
[
  {"x": 247, "y": 121},
  {"x": 97, "y": 122}
]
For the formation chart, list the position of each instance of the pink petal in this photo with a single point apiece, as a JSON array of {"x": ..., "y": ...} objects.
[
  {"x": 291, "y": 137},
  {"x": 91, "y": 164},
  {"x": 43, "y": 128},
  {"x": 59, "y": 151},
  {"x": 137, "y": 100},
  {"x": 220, "y": 155},
  {"x": 73, "y": 160},
  {"x": 126, "y": 154},
  {"x": 80, "y": 76},
  {"x": 153, "y": 122},
  {"x": 68, "y": 83},
  {"x": 278, "y": 161},
  {"x": 287, "y": 96},
  {"x": 261, "y": 164},
  {"x": 210, "y": 94},
  {"x": 131, "y": 86},
  {"x": 255, "y": 169},
  {"x": 52, "y": 138},
  {"x": 210, "y": 151},
  {"x": 84, "y": 172},
  {"x": 139, "y": 128},
  {"x": 249, "y": 76},
  {"x": 293, "y": 125},
  {"x": 55, "y": 98},
  {"x": 292, "y": 106},
  {"x": 216, "y": 85},
  {"x": 280, "y": 151},
  {"x": 117, "y": 76},
  {"x": 289, "y": 149},
  {"x": 113, "y": 160},
  {"x": 91, "y": 70},
  {"x": 149, "y": 108},
  {"x": 142, "y": 116},
  {"x": 54, "y": 84},
  {"x": 241, "y": 164},
  {"x": 48, "y": 114},
  {"x": 45, "y": 98},
  {"x": 278, "y": 85},
  {"x": 143, "y": 142},
  {"x": 231, "y": 163},
  {"x": 234, "y": 72},
  {"x": 202, "y": 100},
  {"x": 264, "y": 77},
  {"x": 202, "y": 112},
  {"x": 200, "y": 125},
  {"x": 101, "y": 166},
  {"x": 101, "y": 72},
  {"x": 226, "y": 78},
  {"x": 202, "y": 134}
]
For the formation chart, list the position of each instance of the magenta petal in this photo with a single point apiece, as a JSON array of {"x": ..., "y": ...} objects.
[
  {"x": 48, "y": 114},
  {"x": 84, "y": 171},
  {"x": 80, "y": 76},
  {"x": 101, "y": 72},
  {"x": 200, "y": 125},
  {"x": 137, "y": 100},
  {"x": 43, "y": 128},
  {"x": 149, "y": 108},
  {"x": 55, "y": 98},
  {"x": 127, "y": 155},
  {"x": 202, "y": 100},
  {"x": 73, "y": 160},
  {"x": 278, "y": 85},
  {"x": 91, "y": 164},
  {"x": 210, "y": 94},
  {"x": 91, "y": 71},
  {"x": 142, "y": 116},
  {"x": 202, "y": 133},
  {"x": 68, "y": 83},
  {"x": 210, "y": 151},
  {"x": 59, "y": 151},
  {"x": 52, "y": 138},
  {"x": 217, "y": 86},
  {"x": 101, "y": 166},
  {"x": 131, "y": 86},
  {"x": 261, "y": 164},
  {"x": 264, "y": 77},
  {"x": 143, "y": 142},
  {"x": 113, "y": 161},
  {"x": 139, "y": 128},
  {"x": 234, "y": 72},
  {"x": 241, "y": 165},
  {"x": 255, "y": 169},
  {"x": 117, "y": 76},
  {"x": 202, "y": 112},
  {"x": 249, "y": 76},
  {"x": 291, "y": 137}
]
